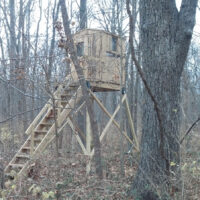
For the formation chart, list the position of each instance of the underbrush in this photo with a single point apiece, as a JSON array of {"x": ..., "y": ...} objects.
[{"x": 65, "y": 177}]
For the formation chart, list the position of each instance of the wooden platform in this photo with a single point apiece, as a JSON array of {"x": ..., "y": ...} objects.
[{"x": 99, "y": 86}]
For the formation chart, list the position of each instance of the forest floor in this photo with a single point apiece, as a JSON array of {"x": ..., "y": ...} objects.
[{"x": 65, "y": 177}]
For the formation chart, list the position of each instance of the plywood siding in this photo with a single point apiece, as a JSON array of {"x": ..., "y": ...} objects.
[{"x": 100, "y": 62}]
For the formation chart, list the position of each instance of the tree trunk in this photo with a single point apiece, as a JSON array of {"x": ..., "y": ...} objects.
[
  {"x": 12, "y": 96},
  {"x": 83, "y": 25},
  {"x": 83, "y": 14},
  {"x": 86, "y": 96},
  {"x": 165, "y": 40}
]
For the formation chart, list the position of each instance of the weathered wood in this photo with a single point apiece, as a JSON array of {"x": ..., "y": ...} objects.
[
  {"x": 32, "y": 142},
  {"x": 114, "y": 121},
  {"x": 77, "y": 128},
  {"x": 46, "y": 108},
  {"x": 131, "y": 123},
  {"x": 109, "y": 123},
  {"x": 35, "y": 121},
  {"x": 88, "y": 141},
  {"x": 99, "y": 61},
  {"x": 73, "y": 127},
  {"x": 65, "y": 113},
  {"x": 29, "y": 144}
]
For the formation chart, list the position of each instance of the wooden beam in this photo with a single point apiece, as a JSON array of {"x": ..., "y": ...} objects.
[
  {"x": 35, "y": 121},
  {"x": 77, "y": 128},
  {"x": 66, "y": 122},
  {"x": 131, "y": 123},
  {"x": 32, "y": 143},
  {"x": 47, "y": 107},
  {"x": 61, "y": 118},
  {"x": 88, "y": 141},
  {"x": 109, "y": 123},
  {"x": 77, "y": 137},
  {"x": 109, "y": 115}
]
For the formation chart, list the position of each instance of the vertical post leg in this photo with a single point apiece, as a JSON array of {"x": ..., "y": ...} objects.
[
  {"x": 32, "y": 143},
  {"x": 131, "y": 123},
  {"x": 88, "y": 142}
]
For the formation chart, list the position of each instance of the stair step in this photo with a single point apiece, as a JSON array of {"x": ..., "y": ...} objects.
[
  {"x": 50, "y": 116},
  {"x": 37, "y": 139},
  {"x": 16, "y": 165},
  {"x": 64, "y": 102},
  {"x": 26, "y": 148},
  {"x": 65, "y": 95},
  {"x": 22, "y": 156},
  {"x": 40, "y": 131},
  {"x": 45, "y": 124}
]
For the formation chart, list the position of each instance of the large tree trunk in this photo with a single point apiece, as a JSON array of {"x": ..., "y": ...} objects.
[{"x": 165, "y": 39}]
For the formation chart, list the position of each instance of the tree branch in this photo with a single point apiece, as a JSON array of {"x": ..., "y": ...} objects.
[
  {"x": 185, "y": 25},
  {"x": 187, "y": 15},
  {"x": 188, "y": 131}
]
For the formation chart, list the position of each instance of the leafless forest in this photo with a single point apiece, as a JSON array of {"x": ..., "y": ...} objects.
[{"x": 100, "y": 99}]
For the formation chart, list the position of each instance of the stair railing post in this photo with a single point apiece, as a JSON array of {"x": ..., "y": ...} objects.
[{"x": 32, "y": 143}]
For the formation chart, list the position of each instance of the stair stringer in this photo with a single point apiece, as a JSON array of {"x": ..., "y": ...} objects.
[{"x": 62, "y": 116}]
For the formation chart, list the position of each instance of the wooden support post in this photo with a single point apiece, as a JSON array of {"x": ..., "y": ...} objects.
[
  {"x": 131, "y": 123},
  {"x": 73, "y": 127},
  {"x": 32, "y": 143},
  {"x": 78, "y": 129},
  {"x": 88, "y": 142},
  {"x": 109, "y": 123},
  {"x": 114, "y": 121},
  {"x": 58, "y": 104}
]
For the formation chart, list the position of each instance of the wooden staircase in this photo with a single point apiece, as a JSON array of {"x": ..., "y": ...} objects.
[{"x": 42, "y": 130}]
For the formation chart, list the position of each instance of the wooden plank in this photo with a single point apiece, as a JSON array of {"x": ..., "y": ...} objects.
[
  {"x": 77, "y": 128},
  {"x": 49, "y": 134},
  {"x": 47, "y": 106},
  {"x": 40, "y": 148},
  {"x": 16, "y": 165},
  {"x": 60, "y": 129},
  {"x": 35, "y": 121},
  {"x": 88, "y": 141},
  {"x": 109, "y": 115},
  {"x": 23, "y": 156},
  {"x": 65, "y": 113},
  {"x": 88, "y": 133},
  {"x": 109, "y": 123},
  {"x": 14, "y": 157},
  {"x": 131, "y": 124},
  {"x": 32, "y": 143},
  {"x": 77, "y": 137}
]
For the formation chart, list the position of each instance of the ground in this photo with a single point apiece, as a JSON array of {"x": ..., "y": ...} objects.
[{"x": 66, "y": 177}]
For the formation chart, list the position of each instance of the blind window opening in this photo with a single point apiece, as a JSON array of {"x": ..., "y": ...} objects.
[
  {"x": 114, "y": 43},
  {"x": 80, "y": 49}
]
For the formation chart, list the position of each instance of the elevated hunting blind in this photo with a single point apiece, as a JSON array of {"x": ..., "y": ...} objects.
[{"x": 101, "y": 55}]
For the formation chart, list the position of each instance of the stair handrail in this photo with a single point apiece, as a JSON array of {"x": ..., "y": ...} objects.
[{"x": 44, "y": 109}]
